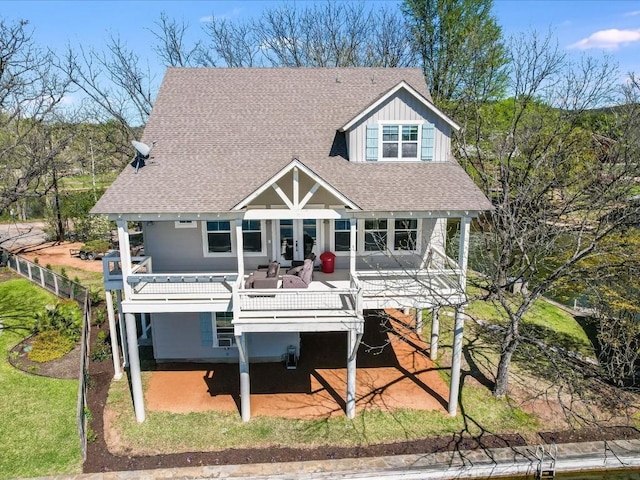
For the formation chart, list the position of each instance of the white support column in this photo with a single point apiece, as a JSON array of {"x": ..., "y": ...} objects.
[
  {"x": 143, "y": 323},
  {"x": 454, "y": 388},
  {"x": 125, "y": 255},
  {"x": 113, "y": 334},
  {"x": 435, "y": 333},
  {"x": 353, "y": 228},
  {"x": 240, "y": 247},
  {"x": 463, "y": 250},
  {"x": 419, "y": 321},
  {"x": 352, "y": 350},
  {"x": 245, "y": 380},
  {"x": 123, "y": 341},
  {"x": 134, "y": 367}
]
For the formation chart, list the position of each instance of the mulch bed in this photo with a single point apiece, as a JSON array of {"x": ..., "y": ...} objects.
[{"x": 99, "y": 459}]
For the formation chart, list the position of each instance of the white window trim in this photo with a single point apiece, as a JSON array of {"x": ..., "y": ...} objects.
[
  {"x": 185, "y": 224},
  {"x": 216, "y": 336},
  {"x": 232, "y": 253},
  {"x": 391, "y": 230},
  {"x": 400, "y": 124},
  {"x": 332, "y": 239}
]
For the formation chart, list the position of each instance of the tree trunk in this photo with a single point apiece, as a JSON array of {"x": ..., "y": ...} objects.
[{"x": 502, "y": 376}]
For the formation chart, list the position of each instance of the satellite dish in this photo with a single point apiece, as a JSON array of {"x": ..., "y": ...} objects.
[{"x": 142, "y": 153}]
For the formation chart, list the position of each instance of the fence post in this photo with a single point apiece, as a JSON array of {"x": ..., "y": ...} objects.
[
  {"x": 55, "y": 285},
  {"x": 42, "y": 282}
]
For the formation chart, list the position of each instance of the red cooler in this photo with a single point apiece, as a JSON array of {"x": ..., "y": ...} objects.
[{"x": 328, "y": 260}]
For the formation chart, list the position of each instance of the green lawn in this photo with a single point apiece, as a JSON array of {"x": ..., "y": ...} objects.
[
  {"x": 210, "y": 431},
  {"x": 38, "y": 430},
  {"x": 544, "y": 321}
]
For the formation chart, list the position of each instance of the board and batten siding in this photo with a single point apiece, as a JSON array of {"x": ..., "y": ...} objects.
[{"x": 399, "y": 108}]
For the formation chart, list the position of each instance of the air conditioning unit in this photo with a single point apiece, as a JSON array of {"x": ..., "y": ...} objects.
[{"x": 225, "y": 342}]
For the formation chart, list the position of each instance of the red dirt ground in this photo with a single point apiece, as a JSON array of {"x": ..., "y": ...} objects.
[
  {"x": 57, "y": 254},
  {"x": 399, "y": 376}
]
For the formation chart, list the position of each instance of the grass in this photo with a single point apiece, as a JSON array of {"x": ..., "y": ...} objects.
[
  {"x": 92, "y": 280},
  {"x": 164, "y": 432},
  {"x": 38, "y": 428},
  {"x": 544, "y": 321},
  {"x": 85, "y": 182}
]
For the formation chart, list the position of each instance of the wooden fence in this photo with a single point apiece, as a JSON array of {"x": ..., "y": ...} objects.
[{"x": 62, "y": 287}]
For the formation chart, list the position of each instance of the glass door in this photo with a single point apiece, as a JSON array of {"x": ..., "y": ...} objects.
[{"x": 297, "y": 239}]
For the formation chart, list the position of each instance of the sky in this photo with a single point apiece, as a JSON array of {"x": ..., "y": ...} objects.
[{"x": 595, "y": 27}]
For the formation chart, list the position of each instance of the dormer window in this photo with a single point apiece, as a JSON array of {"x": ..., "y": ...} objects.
[
  {"x": 407, "y": 141},
  {"x": 400, "y": 141}
]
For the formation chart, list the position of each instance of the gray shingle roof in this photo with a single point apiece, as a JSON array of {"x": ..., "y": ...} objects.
[{"x": 221, "y": 133}]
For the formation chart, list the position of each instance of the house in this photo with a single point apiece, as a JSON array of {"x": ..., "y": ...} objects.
[{"x": 259, "y": 168}]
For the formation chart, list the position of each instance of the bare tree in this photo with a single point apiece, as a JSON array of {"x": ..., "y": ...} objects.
[
  {"x": 32, "y": 127},
  {"x": 171, "y": 45},
  {"x": 549, "y": 185}
]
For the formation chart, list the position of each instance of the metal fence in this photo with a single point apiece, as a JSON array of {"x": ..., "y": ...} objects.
[{"x": 62, "y": 287}]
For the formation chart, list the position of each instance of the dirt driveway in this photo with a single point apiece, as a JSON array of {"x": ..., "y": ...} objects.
[{"x": 57, "y": 254}]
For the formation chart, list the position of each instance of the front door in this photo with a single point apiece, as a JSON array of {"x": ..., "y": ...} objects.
[{"x": 298, "y": 238}]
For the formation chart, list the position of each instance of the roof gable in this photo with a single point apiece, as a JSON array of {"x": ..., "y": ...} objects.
[
  {"x": 390, "y": 93},
  {"x": 297, "y": 199}
]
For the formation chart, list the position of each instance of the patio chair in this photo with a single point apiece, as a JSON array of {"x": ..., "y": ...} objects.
[{"x": 299, "y": 277}]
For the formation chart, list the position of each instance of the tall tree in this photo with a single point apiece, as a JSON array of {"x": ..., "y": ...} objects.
[
  {"x": 460, "y": 45},
  {"x": 552, "y": 186},
  {"x": 32, "y": 127}
]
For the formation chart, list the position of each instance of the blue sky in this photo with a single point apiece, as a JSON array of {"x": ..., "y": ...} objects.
[{"x": 591, "y": 26}]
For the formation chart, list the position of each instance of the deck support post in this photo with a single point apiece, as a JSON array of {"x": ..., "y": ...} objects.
[
  {"x": 113, "y": 335},
  {"x": 352, "y": 353},
  {"x": 143, "y": 323},
  {"x": 419, "y": 321},
  {"x": 245, "y": 380},
  {"x": 454, "y": 388},
  {"x": 134, "y": 367},
  {"x": 123, "y": 337},
  {"x": 435, "y": 333}
]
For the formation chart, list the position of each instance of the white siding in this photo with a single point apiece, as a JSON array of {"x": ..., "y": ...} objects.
[
  {"x": 181, "y": 250},
  {"x": 177, "y": 337},
  {"x": 401, "y": 107}
]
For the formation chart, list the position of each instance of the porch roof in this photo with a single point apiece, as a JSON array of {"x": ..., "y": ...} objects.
[{"x": 223, "y": 133}]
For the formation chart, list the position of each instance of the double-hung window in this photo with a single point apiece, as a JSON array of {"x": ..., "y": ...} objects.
[
  {"x": 252, "y": 236},
  {"x": 375, "y": 235},
  {"x": 219, "y": 236},
  {"x": 341, "y": 235},
  {"x": 405, "y": 234},
  {"x": 400, "y": 142},
  {"x": 224, "y": 329}
]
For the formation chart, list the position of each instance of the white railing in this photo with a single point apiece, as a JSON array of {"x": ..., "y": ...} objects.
[
  {"x": 182, "y": 286},
  {"x": 330, "y": 302},
  {"x": 112, "y": 266}
]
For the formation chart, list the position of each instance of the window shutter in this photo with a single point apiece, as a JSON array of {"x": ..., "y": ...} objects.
[
  {"x": 428, "y": 131},
  {"x": 372, "y": 143},
  {"x": 206, "y": 329}
]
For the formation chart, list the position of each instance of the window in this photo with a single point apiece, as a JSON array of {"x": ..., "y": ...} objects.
[
  {"x": 218, "y": 334},
  {"x": 405, "y": 234},
  {"x": 375, "y": 235},
  {"x": 341, "y": 235},
  {"x": 219, "y": 236},
  {"x": 252, "y": 235},
  {"x": 400, "y": 141},
  {"x": 185, "y": 224},
  {"x": 224, "y": 329},
  {"x": 409, "y": 141}
]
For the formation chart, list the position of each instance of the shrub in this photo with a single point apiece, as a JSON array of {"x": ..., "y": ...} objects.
[
  {"x": 36, "y": 260},
  {"x": 99, "y": 316},
  {"x": 64, "y": 317},
  {"x": 50, "y": 345},
  {"x": 95, "y": 296},
  {"x": 101, "y": 349}
]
